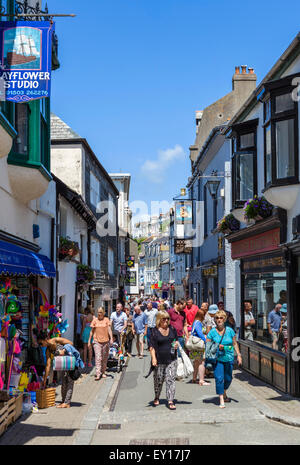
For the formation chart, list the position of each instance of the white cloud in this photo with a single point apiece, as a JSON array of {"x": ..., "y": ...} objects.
[{"x": 155, "y": 170}]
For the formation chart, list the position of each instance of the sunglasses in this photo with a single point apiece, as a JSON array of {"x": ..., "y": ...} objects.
[
  {"x": 219, "y": 318},
  {"x": 165, "y": 319}
]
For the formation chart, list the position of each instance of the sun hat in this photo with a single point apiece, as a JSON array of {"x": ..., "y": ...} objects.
[{"x": 213, "y": 309}]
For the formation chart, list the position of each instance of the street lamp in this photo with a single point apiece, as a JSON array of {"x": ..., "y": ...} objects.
[{"x": 213, "y": 186}]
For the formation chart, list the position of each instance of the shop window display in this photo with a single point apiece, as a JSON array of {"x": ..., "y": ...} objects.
[{"x": 265, "y": 309}]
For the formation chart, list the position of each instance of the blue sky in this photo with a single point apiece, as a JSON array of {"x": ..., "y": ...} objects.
[{"x": 133, "y": 73}]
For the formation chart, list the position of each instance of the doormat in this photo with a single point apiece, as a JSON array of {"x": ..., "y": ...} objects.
[{"x": 160, "y": 442}]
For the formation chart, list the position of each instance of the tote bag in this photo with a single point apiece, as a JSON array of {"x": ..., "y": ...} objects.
[{"x": 187, "y": 364}]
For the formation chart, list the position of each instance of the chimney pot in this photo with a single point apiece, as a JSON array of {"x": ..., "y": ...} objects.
[
  {"x": 244, "y": 69},
  {"x": 237, "y": 70},
  {"x": 251, "y": 70}
]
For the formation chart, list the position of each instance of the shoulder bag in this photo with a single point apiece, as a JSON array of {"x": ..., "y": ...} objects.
[
  {"x": 194, "y": 343},
  {"x": 212, "y": 351}
]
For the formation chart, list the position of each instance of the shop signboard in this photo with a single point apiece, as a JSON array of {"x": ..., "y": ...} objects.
[
  {"x": 182, "y": 246},
  {"x": 26, "y": 59},
  {"x": 263, "y": 264},
  {"x": 210, "y": 272},
  {"x": 131, "y": 278},
  {"x": 184, "y": 212},
  {"x": 130, "y": 261},
  {"x": 261, "y": 243}
]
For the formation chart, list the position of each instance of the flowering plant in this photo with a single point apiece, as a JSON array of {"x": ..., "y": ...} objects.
[
  {"x": 228, "y": 224},
  {"x": 257, "y": 208},
  {"x": 84, "y": 274},
  {"x": 67, "y": 248}
]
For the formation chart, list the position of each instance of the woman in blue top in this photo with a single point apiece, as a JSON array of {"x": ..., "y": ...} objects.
[
  {"x": 198, "y": 355},
  {"x": 224, "y": 366}
]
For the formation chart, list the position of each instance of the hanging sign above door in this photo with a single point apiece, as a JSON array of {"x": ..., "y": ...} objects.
[{"x": 26, "y": 57}]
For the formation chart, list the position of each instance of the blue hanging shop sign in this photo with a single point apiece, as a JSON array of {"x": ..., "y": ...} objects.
[{"x": 26, "y": 57}]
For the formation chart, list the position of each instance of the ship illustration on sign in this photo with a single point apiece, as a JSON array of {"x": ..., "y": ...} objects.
[
  {"x": 22, "y": 48},
  {"x": 24, "y": 51}
]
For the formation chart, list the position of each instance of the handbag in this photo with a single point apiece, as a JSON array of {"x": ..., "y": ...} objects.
[
  {"x": 187, "y": 364},
  {"x": 180, "y": 369},
  {"x": 64, "y": 363},
  {"x": 212, "y": 351},
  {"x": 194, "y": 343}
]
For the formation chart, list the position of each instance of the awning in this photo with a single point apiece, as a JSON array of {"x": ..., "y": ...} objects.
[{"x": 16, "y": 260}]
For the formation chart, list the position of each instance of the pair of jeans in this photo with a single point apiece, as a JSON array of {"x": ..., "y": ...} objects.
[
  {"x": 223, "y": 376},
  {"x": 181, "y": 342},
  {"x": 149, "y": 336}
]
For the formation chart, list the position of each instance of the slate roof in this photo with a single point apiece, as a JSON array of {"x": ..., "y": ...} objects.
[{"x": 60, "y": 130}]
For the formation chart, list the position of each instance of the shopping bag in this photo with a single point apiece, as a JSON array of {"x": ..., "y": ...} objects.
[
  {"x": 180, "y": 369},
  {"x": 187, "y": 364}
]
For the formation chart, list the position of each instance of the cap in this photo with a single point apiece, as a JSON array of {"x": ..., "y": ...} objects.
[{"x": 213, "y": 309}]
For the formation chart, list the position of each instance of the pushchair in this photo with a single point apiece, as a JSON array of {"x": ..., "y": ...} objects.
[{"x": 116, "y": 358}]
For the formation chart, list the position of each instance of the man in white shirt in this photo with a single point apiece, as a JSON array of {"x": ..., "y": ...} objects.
[
  {"x": 249, "y": 320},
  {"x": 119, "y": 324},
  {"x": 151, "y": 315}
]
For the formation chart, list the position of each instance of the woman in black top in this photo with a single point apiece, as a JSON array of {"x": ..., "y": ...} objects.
[{"x": 163, "y": 349}]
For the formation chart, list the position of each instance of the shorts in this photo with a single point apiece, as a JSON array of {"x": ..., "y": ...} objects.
[
  {"x": 140, "y": 338},
  {"x": 197, "y": 355}
]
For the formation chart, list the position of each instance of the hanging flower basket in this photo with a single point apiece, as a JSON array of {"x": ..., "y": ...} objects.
[
  {"x": 68, "y": 249},
  {"x": 228, "y": 224},
  {"x": 85, "y": 274},
  {"x": 257, "y": 209}
]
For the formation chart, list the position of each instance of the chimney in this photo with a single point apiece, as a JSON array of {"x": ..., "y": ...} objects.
[{"x": 242, "y": 82}]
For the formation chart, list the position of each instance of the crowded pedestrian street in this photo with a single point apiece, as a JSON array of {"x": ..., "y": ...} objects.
[
  {"x": 149, "y": 225},
  {"x": 118, "y": 411}
]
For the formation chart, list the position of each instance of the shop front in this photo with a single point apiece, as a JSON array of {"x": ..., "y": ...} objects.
[
  {"x": 24, "y": 308},
  {"x": 264, "y": 289}
]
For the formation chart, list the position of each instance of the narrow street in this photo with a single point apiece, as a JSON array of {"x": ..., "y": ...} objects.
[{"x": 119, "y": 411}]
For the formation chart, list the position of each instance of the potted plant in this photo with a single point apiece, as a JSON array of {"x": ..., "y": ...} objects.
[
  {"x": 67, "y": 248},
  {"x": 257, "y": 209},
  {"x": 228, "y": 224},
  {"x": 85, "y": 274}
]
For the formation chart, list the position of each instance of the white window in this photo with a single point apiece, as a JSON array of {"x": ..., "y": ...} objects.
[
  {"x": 111, "y": 261},
  {"x": 63, "y": 221},
  {"x": 94, "y": 190},
  {"x": 95, "y": 255},
  {"x": 111, "y": 209}
]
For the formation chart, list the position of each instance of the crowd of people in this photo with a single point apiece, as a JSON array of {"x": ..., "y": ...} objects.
[
  {"x": 163, "y": 329},
  {"x": 163, "y": 326}
]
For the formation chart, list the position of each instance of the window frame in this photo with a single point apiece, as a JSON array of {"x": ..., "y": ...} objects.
[
  {"x": 239, "y": 130},
  {"x": 93, "y": 191},
  {"x": 291, "y": 114},
  {"x": 110, "y": 261}
]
